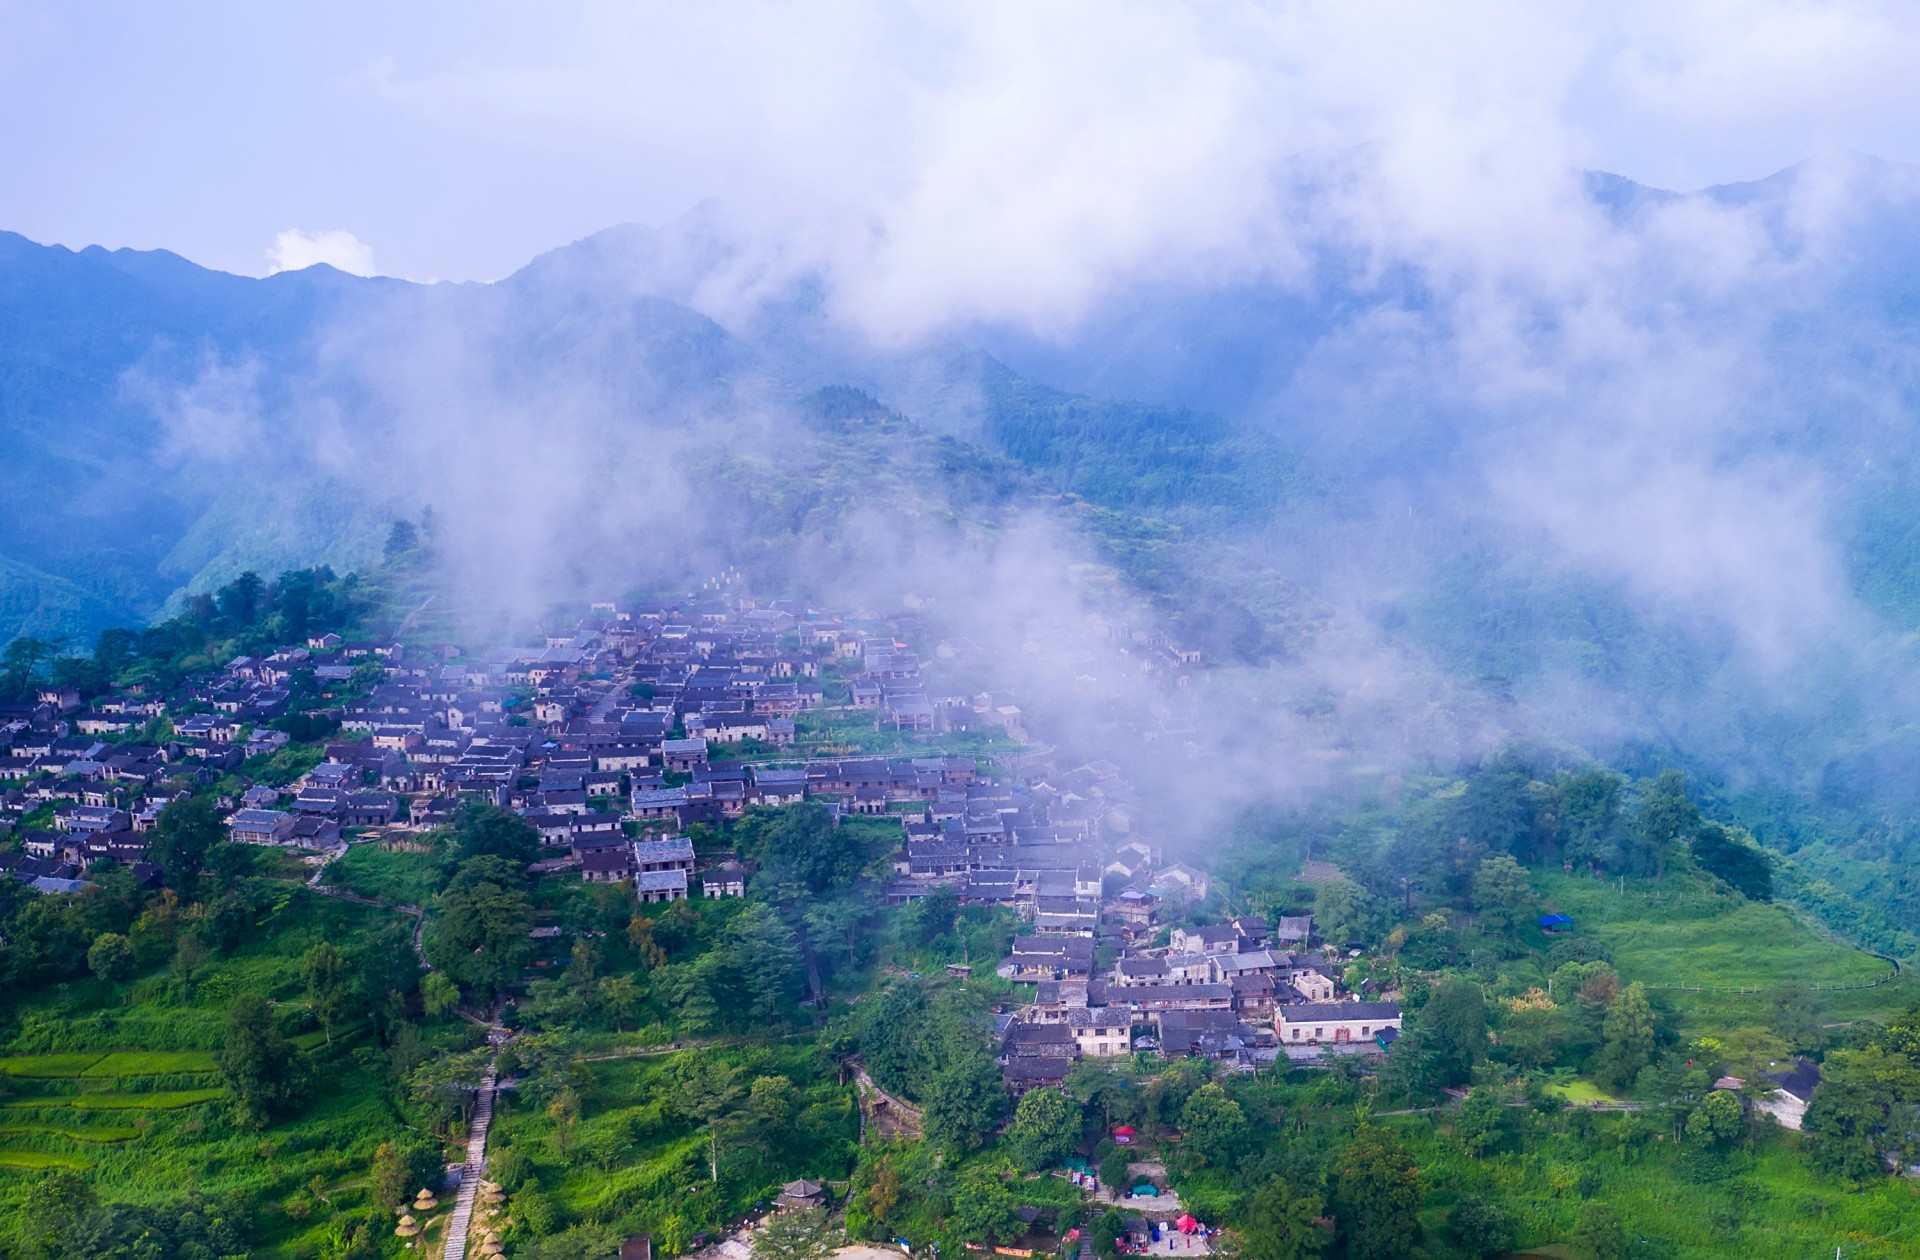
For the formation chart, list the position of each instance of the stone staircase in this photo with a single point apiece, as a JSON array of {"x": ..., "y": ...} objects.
[{"x": 471, "y": 1175}]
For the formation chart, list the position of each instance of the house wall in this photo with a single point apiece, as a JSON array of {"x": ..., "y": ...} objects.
[
  {"x": 1104, "y": 1042},
  {"x": 1323, "y": 1029}
]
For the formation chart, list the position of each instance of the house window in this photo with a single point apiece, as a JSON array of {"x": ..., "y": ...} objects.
[
  {"x": 1319, "y": 1033},
  {"x": 1363, "y": 1031}
]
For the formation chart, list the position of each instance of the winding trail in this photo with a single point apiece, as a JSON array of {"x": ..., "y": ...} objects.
[{"x": 419, "y": 915}]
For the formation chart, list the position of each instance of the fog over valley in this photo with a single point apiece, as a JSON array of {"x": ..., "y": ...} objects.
[{"x": 728, "y": 631}]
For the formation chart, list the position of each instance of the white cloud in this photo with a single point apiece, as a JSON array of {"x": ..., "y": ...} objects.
[
  {"x": 1002, "y": 161},
  {"x": 1609, "y": 390},
  {"x": 296, "y": 250}
]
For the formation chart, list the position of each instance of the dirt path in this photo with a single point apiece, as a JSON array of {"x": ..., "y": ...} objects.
[
  {"x": 695, "y": 1043},
  {"x": 1521, "y": 1102},
  {"x": 641, "y": 1052},
  {"x": 412, "y": 617}
]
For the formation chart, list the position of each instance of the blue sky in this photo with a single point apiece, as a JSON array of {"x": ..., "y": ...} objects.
[{"x": 454, "y": 141}]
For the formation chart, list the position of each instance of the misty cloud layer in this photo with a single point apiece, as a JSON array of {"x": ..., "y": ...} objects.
[
  {"x": 1622, "y": 416},
  {"x": 1573, "y": 459}
]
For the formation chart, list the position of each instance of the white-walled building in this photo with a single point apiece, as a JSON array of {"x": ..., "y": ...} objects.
[
  {"x": 1102, "y": 1032},
  {"x": 1336, "y": 1023}
]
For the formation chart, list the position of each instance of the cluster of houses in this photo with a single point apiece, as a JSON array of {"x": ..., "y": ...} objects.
[
  {"x": 83, "y": 779},
  {"x": 94, "y": 797},
  {"x": 610, "y": 739},
  {"x": 615, "y": 736},
  {"x": 1232, "y": 992},
  {"x": 624, "y": 730}
]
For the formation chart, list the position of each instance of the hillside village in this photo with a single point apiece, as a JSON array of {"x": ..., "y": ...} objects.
[
  {"x": 823, "y": 876},
  {"x": 659, "y": 632},
  {"x": 616, "y": 737}
]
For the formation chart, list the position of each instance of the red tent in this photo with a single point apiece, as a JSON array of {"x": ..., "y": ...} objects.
[
  {"x": 1123, "y": 1134},
  {"x": 1186, "y": 1223}
]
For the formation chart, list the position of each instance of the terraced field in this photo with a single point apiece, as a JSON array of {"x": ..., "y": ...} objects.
[
  {"x": 73, "y": 1133},
  {"x": 109, "y": 1063},
  {"x": 52, "y": 1126},
  {"x": 154, "y": 1063},
  {"x": 121, "y": 1083},
  {"x": 49, "y": 1065},
  {"x": 39, "y": 1161},
  {"x": 155, "y": 1100}
]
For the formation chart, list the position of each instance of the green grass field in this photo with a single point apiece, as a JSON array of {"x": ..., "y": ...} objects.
[
  {"x": 315, "y": 1041},
  {"x": 367, "y": 869},
  {"x": 1581, "y": 1093},
  {"x": 155, "y": 1100},
  {"x": 1695, "y": 948},
  {"x": 50, "y": 1066},
  {"x": 40, "y": 1161},
  {"x": 1680, "y": 936},
  {"x": 1766, "y": 1205},
  {"x": 73, "y": 1133},
  {"x": 151, "y": 1063}
]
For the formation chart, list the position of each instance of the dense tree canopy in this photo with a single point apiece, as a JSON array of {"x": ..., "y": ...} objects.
[
  {"x": 1045, "y": 1129},
  {"x": 1501, "y": 894},
  {"x": 1729, "y": 853},
  {"x": 266, "y": 1078},
  {"x": 1215, "y": 1126},
  {"x": 478, "y": 931},
  {"x": 1627, "y": 1038},
  {"x": 1344, "y": 911},
  {"x": 964, "y": 1100},
  {"x": 1376, "y": 1196},
  {"x": 1280, "y": 1224},
  {"x": 801, "y": 851},
  {"x": 185, "y": 833},
  {"x": 1861, "y": 1117},
  {"x": 489, "y": 831}
]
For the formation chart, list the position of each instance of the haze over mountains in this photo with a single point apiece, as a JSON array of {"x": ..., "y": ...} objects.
[{"x": 1644, "y": 474}]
